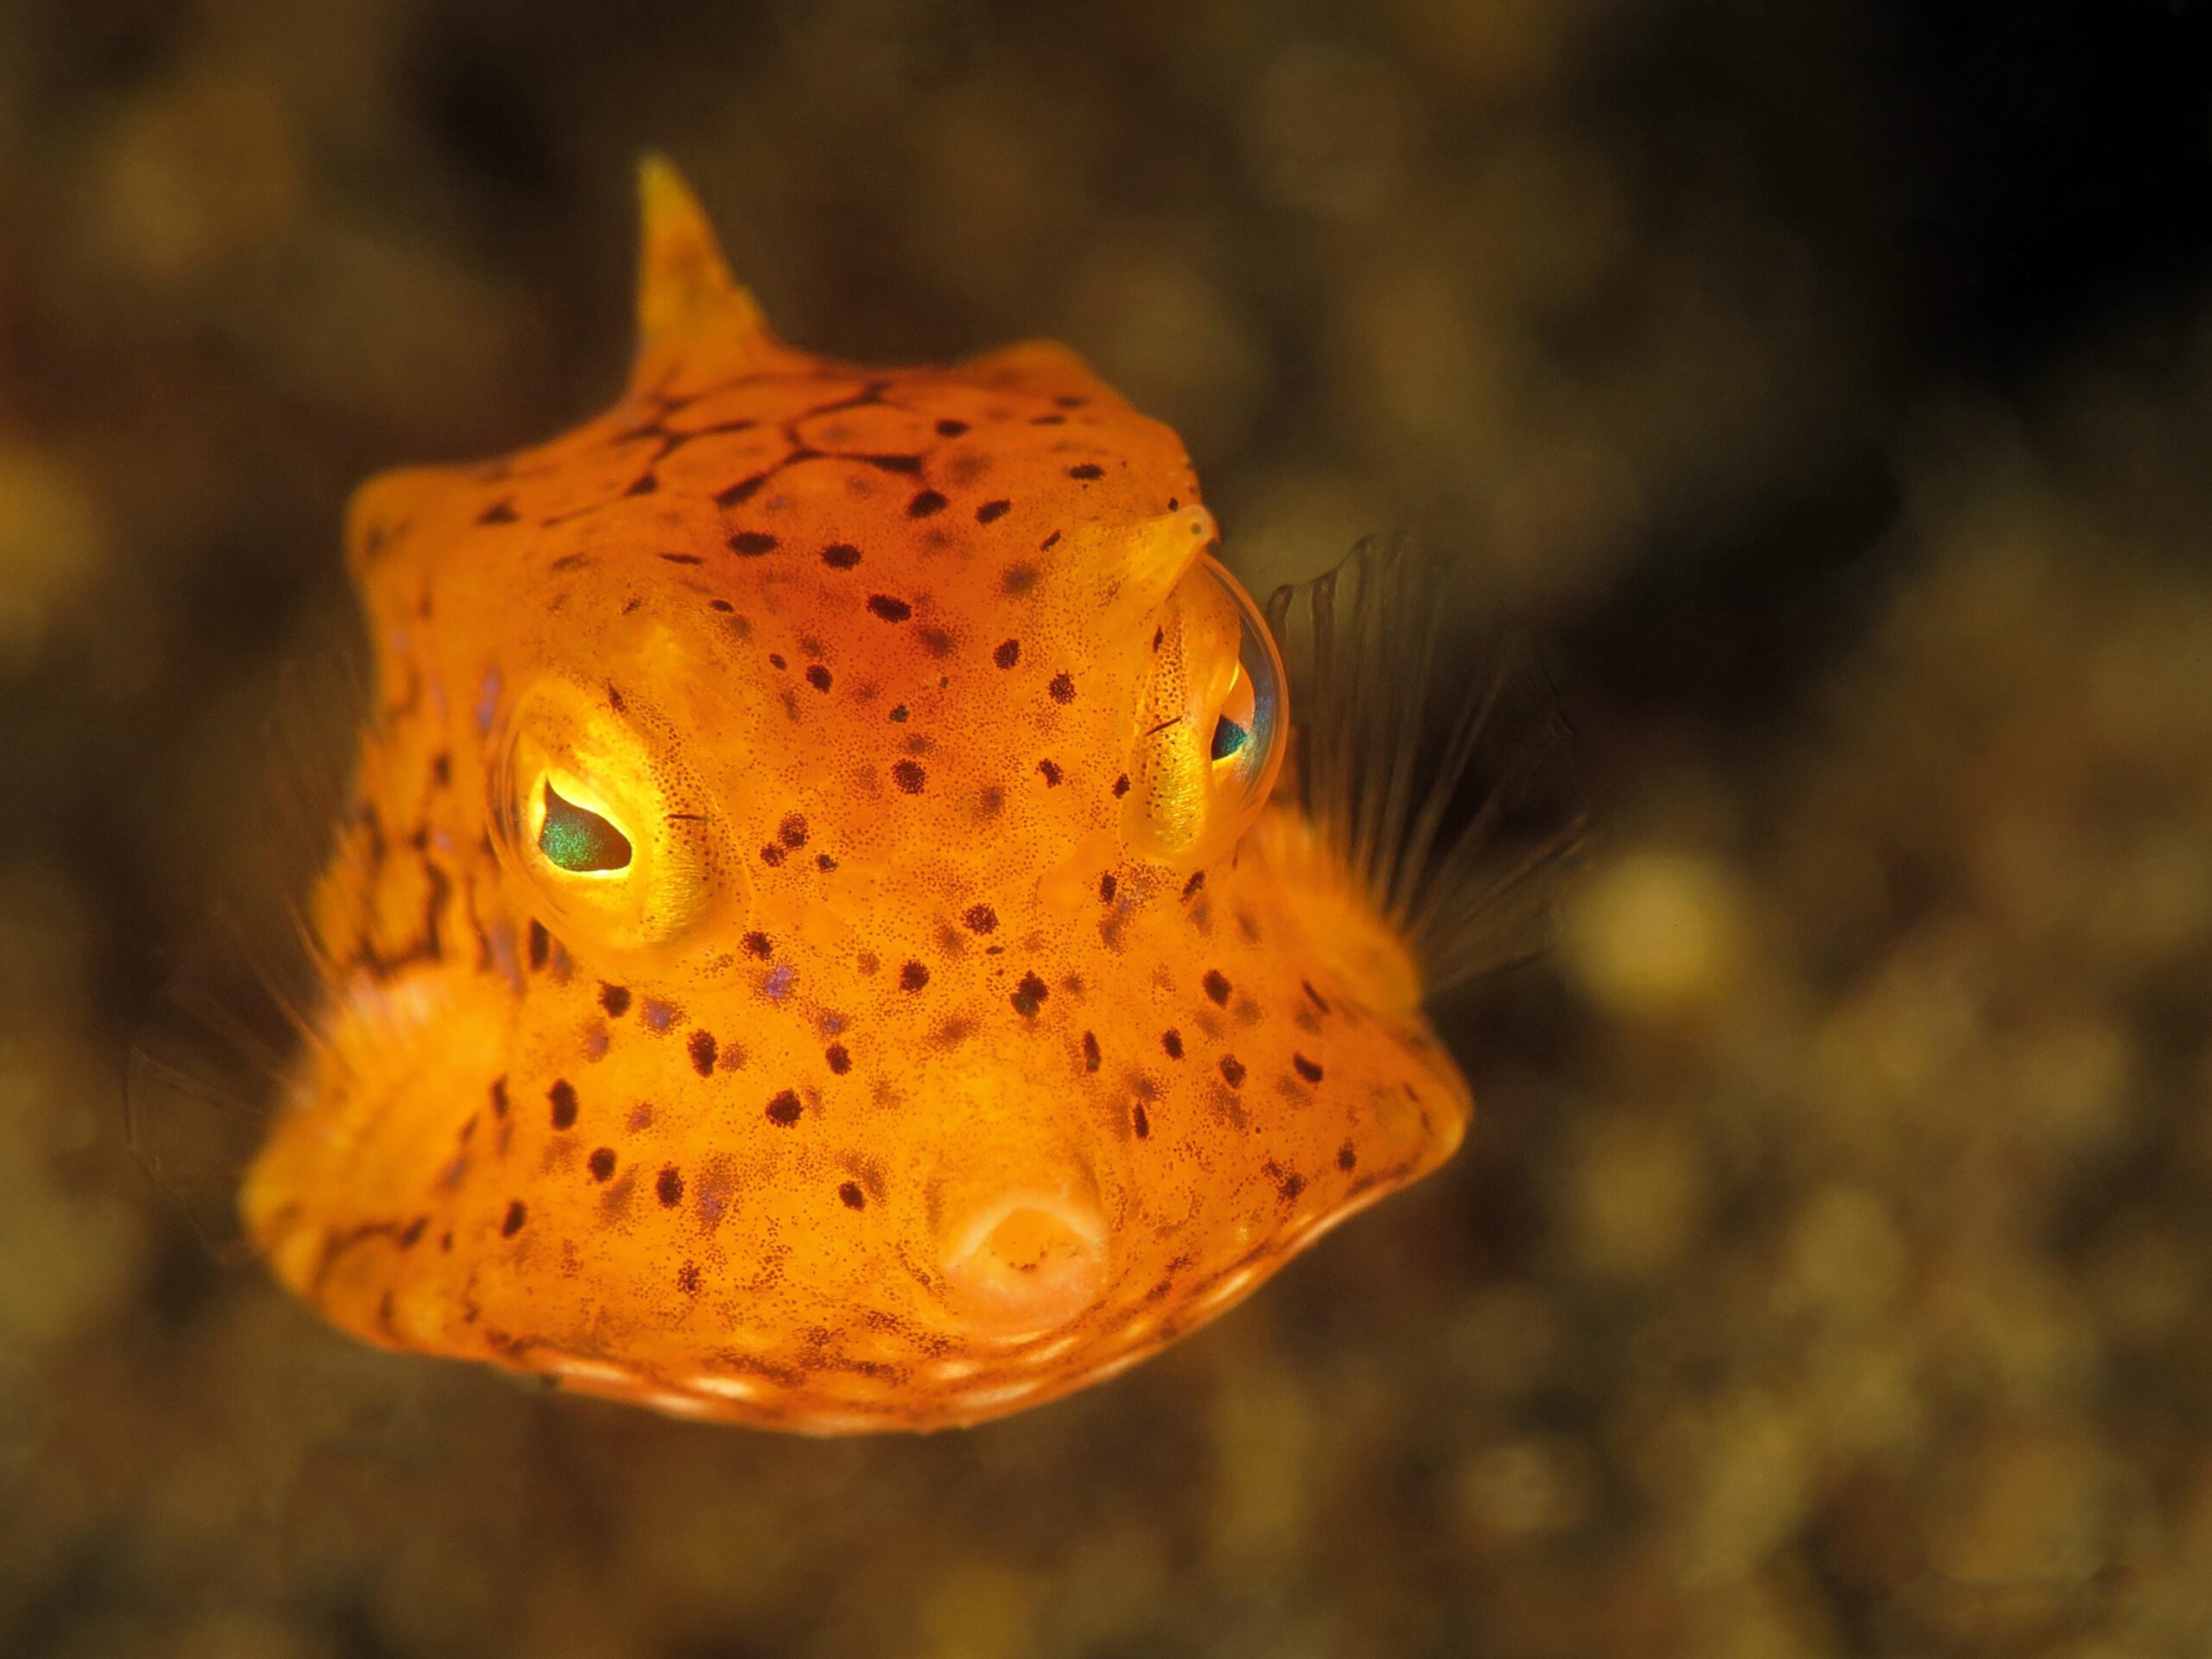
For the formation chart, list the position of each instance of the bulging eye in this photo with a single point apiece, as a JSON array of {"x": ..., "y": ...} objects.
[
  {"x": 1208, "y": 740},
  {"x": 577, "y": 839},
  {"x": 594, "y": 802}
]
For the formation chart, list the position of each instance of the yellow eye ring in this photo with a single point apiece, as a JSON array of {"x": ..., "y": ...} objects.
[
  {"x": 1209, "y": 722},
  {"x": 593, "y": 805}
]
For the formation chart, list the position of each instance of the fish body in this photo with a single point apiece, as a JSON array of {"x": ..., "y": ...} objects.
[{"x": 817, "y": 942}]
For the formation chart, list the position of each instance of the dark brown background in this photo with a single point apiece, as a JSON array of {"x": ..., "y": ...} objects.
[{"x": 1827, "y": 1274}]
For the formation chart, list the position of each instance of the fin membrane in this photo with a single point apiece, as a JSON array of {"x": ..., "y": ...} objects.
[
  {"x": 1429, "y": 753},
  {"x": 207, "y": 1069}
]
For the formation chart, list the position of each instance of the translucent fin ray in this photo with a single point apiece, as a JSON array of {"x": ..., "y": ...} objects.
[
  {"x": 207, "y": 1069},
  {"x": 1430, "y": 755}
]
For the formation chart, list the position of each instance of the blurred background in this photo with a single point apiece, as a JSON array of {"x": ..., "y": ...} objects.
[{"x": 1827, "y": 1273}]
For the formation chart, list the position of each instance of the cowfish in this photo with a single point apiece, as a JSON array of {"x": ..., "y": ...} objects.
[{"x": 836, "y": 925}]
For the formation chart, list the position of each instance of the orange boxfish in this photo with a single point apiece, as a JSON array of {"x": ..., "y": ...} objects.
[{"x": 837, "y": 926}]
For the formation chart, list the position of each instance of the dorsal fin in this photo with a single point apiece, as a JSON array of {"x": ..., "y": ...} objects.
[{"x": 689, "y": 305}]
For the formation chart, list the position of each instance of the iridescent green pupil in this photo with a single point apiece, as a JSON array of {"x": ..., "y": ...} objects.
[
  {"x": 578, "y": 839},
  {"x": 1228, "y": 738}
]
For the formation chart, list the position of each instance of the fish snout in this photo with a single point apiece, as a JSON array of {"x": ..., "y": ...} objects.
[{"x": 1022, "y": 1253}]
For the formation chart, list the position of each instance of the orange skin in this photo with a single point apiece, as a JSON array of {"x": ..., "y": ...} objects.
[{"x": 959, "y": 1033}]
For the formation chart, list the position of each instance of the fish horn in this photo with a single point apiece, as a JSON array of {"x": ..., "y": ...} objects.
[{"x": 689, "y": 305}]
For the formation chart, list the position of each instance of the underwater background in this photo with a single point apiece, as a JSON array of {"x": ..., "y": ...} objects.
[{"x": 1828, "y": 1271}]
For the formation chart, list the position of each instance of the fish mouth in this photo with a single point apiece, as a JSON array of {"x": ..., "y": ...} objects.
[{"x": 1024, "y": 1261}]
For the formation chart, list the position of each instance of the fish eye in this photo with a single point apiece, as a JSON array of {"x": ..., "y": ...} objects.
[
  {"x": 593, "y": 803},
  {"x": 577, "y": 839},
  {"x": 1208, "y": 745}
]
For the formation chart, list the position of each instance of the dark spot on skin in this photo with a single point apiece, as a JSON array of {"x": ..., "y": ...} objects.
[
  {"x": 950, "y": 429},
  {"x": 616, "y": 998},
  {"x": 992, "y": 510},
  {"x": 703, "y": 1047},
  {"x": 1062, "y": 688},
  {"x": 792, "y": 831},
  {"x": 1232, "y": 1069},
  {"x": 1107, "y": 886},
  {"x": 1306, "y": 1068},
  {"x": 668, "y": 1186},
  {"x": 563, "y": 1097},
  {"x": 1140, "y": 1120},
  {"x": 1048, "y": 420},
  {"x": 498, "y": 1096},
  {"x": 775, "y": 661},
  {"x": 413, "y": 1234},
  {"x": 757, "y": 945},
  {"x": 659, "y": 1015},
  {"x": 1197, "y": 880},
  {"x": 516, "y": 1214},
  {"x": 1120, "y": 786},
  {"x": 1089, "y": 1052},
  {"x": 1007, "y": 654},
  {"x": 601, "y": 1163},
  {"x": 541, "y": 944},
  {"x": 907, "y": 466},
  {"x": 643, "y": 484},
  {"x": 898, "y": 715},
  {"x": 1346, "y": 1157},
  {"x": 1049, "y": 543},
  {"x": 441, "y": 770},
  {"x": 681, "y": 558},
  {"x": 686, "y": 1278},
  {"x": 1029, "y": 996},
  {"x": 890, "y": 609},
  {"x": 825, "y": 863},
  {"x": 853, "y": 1198},
  {"x": 752, "y": 543},
  {"x": 819, "y": 678},
  {"x": 840, "y": 1062},
  {"x": 840, "y": 556},
  {"x": 914, "y": 976},
  {"x": 1052, "y": 773},
  {"x": 936, "y": 642},
  {"x": 909, "y": 777},
  {"x": 1313, "y": 995},
  {"x": 1089, "y": 469},
  {"x": 990, "y": 801},
  {"x": 1158, "y": 638},
  {"x": 1291, "y": 1186},
  {"x": 1173, "y": 1042},
  {"x": 722, "y": 604},
  {"x": 500, "y": 512},
  {"x": 1216, "y": 986},
  {"x": 741, "y": 492},
  {"x": 926, "y": 503},
  {"x": 980, "y": 918},
  {"x": 771, "y": 855},
  {"x": 784, "y": 1108}
]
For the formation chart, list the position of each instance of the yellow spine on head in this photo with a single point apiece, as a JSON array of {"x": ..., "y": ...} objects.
[{"x": 689, "y": 305}]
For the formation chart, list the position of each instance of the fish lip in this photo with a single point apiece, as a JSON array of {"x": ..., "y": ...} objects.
[{"x": 1026, "y": 1260}]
